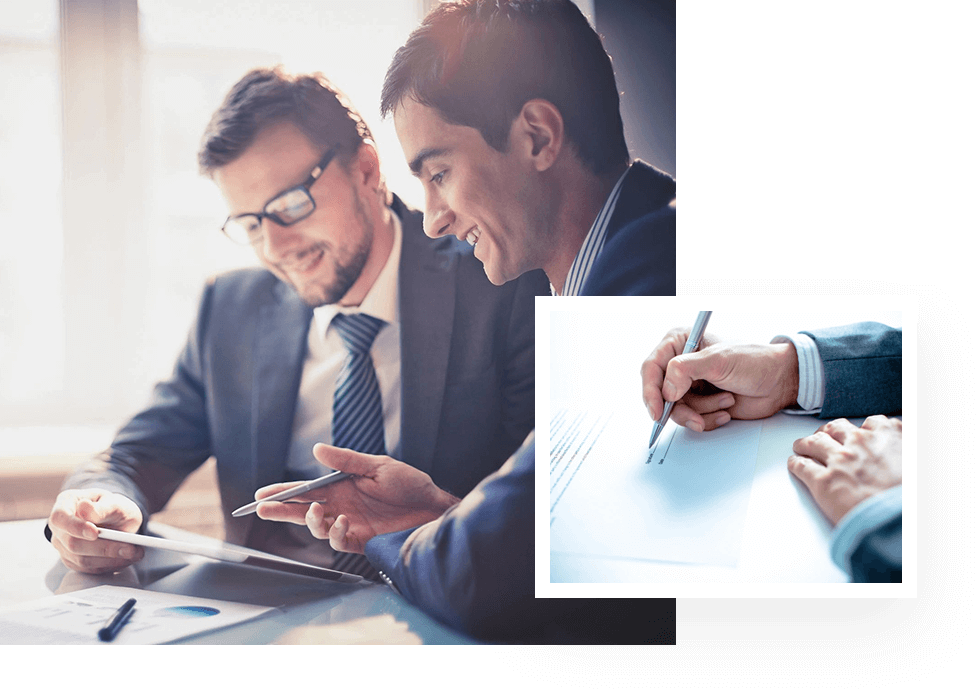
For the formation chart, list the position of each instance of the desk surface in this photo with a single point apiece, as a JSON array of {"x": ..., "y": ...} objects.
[
  {"x": 785, "y": 536},
  {"x": 33, "y": 570}
]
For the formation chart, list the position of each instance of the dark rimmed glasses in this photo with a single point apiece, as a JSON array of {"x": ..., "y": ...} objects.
[{"x": 288, "y": 208}]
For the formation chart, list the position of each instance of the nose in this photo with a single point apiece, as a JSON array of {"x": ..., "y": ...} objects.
[
  {"x": 438, "y": 217},
  {"x": 276, "y": 240}
]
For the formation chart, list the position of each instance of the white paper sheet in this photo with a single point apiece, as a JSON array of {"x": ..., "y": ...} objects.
[
  {"x": 75, "y": 618},
  {"x": 685, "y": 501}
]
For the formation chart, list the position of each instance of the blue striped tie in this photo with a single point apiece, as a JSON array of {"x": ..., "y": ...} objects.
[{"x": 358, "y": 416}]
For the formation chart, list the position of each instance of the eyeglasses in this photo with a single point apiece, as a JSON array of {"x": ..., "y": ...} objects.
[{"x": 288, "y": 208}]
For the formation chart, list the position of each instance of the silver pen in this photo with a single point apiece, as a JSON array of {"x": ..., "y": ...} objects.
[
  {"x": 292, "y": 492},
  {"x": 692, "y": 342}
]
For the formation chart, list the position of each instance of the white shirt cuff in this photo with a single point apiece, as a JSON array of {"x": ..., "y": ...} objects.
[
  {"x": 811, "y": 373},
  {"x": 862, "y": 519}
]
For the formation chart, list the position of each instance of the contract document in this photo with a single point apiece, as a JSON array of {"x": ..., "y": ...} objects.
[
  {"x": 683, "y": 501},
  {"x": 75, "y": 618}
]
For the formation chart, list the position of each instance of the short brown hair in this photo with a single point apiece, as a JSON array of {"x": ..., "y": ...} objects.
[
  {"x": 477, "y": 62},
  {"x": 264, "y": 97}
]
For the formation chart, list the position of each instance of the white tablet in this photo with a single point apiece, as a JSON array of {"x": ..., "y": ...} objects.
[{"x": 231, "y": 553}]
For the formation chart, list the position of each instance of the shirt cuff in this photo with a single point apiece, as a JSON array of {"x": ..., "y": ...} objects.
[
  {"x": 862, "y": 519},
  {"x": 811, "y": 373}
]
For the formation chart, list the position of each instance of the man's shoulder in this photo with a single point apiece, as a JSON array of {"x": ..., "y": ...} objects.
[{"x": 248, "y": 288}]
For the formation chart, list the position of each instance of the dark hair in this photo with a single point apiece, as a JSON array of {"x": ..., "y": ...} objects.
[
  {"x": 477, "y": 62},
  {"x": 264, "y": 97}
]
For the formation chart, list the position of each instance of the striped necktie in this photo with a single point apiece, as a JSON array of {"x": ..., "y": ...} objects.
[{"x": 358, "y": 415}]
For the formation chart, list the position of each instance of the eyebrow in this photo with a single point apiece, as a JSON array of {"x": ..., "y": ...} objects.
[{"x": 422, "y": 156}]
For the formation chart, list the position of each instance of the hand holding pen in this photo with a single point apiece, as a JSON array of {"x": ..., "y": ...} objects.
[
  {"x": 383, "y": 495},
  {"x": 719, "y": 381},
  {"x": 693, "y": 339}
]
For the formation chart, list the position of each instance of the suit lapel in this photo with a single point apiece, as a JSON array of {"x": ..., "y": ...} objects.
[
  {"x": 644, "y": 190},
  {"x": 426, "y": 298},
  {"x": 280, "y": 348}
]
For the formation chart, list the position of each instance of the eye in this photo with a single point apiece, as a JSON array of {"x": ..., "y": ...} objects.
[{"x": 437, "y": 179}]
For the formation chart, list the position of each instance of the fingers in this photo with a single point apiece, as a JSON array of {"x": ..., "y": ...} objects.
[
  {"x": 807, "y": 470},
  {"x": 64, "y": 518},
  {"x": 654, "y": 366},
  {"x": 94, "y": 557},
  {"x": 339, "y": 536},
  {"x": 683, "y": 370},
  {"x": 818, "y": 446},
  {"x": 840, "y": 430},
  {"x": 102, "y": 555},
  {"x": 346, "y": 460},
  {"x": 273, "y": 488},
  {"x": 337, "y": 531},
  {"x": 291, "y": 512},
  {"x": 317, "y": 521},
  {"x": 878, "y": 422},
  {"x": 703, "y": 412},
  {"x": 74, "y": 535}
]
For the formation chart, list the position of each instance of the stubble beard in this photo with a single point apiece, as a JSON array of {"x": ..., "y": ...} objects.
[{"x": 346, "y": 268}]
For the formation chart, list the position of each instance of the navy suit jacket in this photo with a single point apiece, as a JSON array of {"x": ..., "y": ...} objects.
[
  {"x": 467, "y": 362},
  {"x": 639, "y": 254}
]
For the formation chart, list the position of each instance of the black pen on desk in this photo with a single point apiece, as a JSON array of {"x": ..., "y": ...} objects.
[
  {"x": 692, "y": 342},
  {"x": 119, "y": 618}
]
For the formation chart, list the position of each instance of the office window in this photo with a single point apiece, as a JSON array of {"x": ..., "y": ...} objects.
[
  {"x": 30, "y": 193},
  {"x": 109, "y": 232}
]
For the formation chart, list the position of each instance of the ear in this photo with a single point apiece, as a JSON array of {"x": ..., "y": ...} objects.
[
  {"x": 539, "y": 131},
  {"x": 365, "y": 166}
]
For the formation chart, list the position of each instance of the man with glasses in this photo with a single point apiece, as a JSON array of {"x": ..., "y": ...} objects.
[{"x": 359, "y": 331}]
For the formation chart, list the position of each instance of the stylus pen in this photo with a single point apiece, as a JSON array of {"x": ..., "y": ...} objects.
[
  {"x": 119, "y": 618},
  {"x": 692, "y": 342},
  {"x": 292, "y": 492}
]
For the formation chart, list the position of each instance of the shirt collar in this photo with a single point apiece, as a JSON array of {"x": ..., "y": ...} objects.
[
  {"x": 593, "y": 243},
  {"x": 381, "y": 300}
]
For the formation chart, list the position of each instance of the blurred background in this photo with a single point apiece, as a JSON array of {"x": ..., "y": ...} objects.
[{"x": 108, "y": 230}]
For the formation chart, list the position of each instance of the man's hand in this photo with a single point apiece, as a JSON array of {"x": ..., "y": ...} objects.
[
  {"x": 843, "y": 465},
  {"x": 719, "y": 382},
  {"x": 73, "y": 519},
  {"x": 383, "y": 496}
]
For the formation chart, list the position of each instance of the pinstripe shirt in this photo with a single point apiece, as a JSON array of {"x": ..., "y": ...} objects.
[{"x": 592, "y": 246}]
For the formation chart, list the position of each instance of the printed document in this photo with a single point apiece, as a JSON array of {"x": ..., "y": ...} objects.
[
  {"x": 75, "y": 618},
  {"x": 684, "y": 500}
]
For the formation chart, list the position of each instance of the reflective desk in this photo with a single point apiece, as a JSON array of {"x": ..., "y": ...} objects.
[{"x": 32, "y": 569}]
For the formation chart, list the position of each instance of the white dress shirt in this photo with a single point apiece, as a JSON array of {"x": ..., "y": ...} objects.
[{"x": 325, "y": 355}]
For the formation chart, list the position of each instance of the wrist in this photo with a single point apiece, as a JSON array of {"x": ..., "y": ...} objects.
[
  {"x": 445, "y": 500},
  {"x": 787, "y": 365}
]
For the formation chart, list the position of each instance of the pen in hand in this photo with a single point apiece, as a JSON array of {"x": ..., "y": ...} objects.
[
  {"x": 119, "y": 618},
  {"x": 320, "y": 482},
  {"x": 692, "y": 342}
]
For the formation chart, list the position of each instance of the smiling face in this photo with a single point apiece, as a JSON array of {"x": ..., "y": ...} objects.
[
  {"x": 490, "y": 199},
  {"x": 331, "y": 256}
]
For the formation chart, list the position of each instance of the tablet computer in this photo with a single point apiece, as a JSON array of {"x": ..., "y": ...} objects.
[{"x": 231, "y": 553}]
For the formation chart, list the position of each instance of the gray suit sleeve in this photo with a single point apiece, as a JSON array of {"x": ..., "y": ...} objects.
[
  {"x": 160, "y": 446},
  {"x": 863, "y": 369}
]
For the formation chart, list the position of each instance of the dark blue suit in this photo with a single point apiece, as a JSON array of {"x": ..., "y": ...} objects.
[
  {"x": 639, "y": 254},
  {"x": 467, "y": 382},
  {"x": 471, "y": 567}
]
